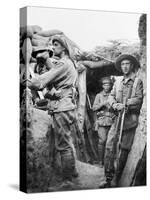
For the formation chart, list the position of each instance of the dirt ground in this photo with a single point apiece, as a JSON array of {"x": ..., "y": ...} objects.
[{"x": 90, "y": 177}]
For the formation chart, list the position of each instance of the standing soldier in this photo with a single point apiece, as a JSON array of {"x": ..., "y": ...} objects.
[
  {"x": 62, "y": 76},
  {"x": 126, "y": 97},
  {"x": 104, "y": 116}
]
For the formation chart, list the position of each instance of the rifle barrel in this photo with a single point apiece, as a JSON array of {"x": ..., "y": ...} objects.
[{"x": 121, "y": 126}]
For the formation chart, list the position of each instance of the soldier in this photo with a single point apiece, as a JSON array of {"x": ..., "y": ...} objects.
[
  {"x": 104, "y": 116},
  {"x": 62, "y": 75},
  {"x": 127, "y": 93}
]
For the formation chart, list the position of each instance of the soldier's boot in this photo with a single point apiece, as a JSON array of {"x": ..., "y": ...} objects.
[
  {"x": 101, "y": 149},
  {"x": 109, "y": 173},
  {"x": 106, "y": 183},
  {"x": 115, "y": 181},
  {"x": 75, "y": 174}
]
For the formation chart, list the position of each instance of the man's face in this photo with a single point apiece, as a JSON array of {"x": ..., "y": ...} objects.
[
  {"x": 126, "y": 67},
  {"x": 57, "y": 48},
  {"x": 106, "y": 87}
]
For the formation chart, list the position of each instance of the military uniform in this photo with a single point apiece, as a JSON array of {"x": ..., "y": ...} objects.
[
  {"x": 63, "y": 77},
  {"x": 128, "y": 90},
  {"x": 104, "y": 119}
]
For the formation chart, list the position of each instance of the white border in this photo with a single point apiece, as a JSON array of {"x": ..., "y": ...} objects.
[{"x": 9, "y": 129}]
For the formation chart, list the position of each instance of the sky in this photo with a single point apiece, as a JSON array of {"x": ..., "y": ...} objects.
[{"x": 87, "y": 29}]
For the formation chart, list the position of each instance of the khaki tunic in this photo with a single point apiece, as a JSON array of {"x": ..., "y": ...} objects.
[
  {"x": 124, "y": 91},
  {"x": 104, "y": 113},
  {"x": 63, "y": 77}
]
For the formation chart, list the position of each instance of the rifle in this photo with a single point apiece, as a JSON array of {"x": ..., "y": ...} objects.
[
  {"x": 89, "y": 102},
  {"x": 122, "y": 117}
]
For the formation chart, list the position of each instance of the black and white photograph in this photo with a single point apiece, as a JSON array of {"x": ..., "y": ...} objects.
[{"x": 83, "y": 99}]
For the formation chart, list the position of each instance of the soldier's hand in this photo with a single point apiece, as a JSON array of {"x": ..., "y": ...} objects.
[
  {"x": 33, "y": 83},
  {"x": 129, "y": 102},
  {"x": 58, "y": 93},
  {"x": 80, "y": 67},
  {"x": 120, "y": 106}
]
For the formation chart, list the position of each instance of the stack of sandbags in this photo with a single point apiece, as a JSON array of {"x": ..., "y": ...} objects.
[
  {"x": 89, "y": 55},
  {"x": 31, "y": 36},
  {"x": 28, "y": 32},
  {"x": 38, "y": 40},
  {"x": 92, "y": 56},
  {"x": 42, "y": 38}
]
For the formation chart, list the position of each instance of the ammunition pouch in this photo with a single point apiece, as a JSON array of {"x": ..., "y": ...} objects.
[{"x": 105, "y": 114}]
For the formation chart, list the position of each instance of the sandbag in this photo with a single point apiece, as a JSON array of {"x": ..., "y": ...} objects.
[
  {"x": 36, "y": 29},
  {"x": 28, "y": 31},
  {"x": 36, "y": 42},
  {"x": 27, "y": 50},
  {"x": 98, "y": 64},
  {"x": 49, "y": 33},
  {"x": 26, "y": 70},
  {"x": 39, "y": 37}
]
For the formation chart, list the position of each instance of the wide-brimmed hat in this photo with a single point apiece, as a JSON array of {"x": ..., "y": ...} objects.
[
  {"x": 69, "y": 45},
  {"x": 106, "y": 80},
  {"x": 136, "y": 64},
  {"x": 38, "y": 49},
  {"x": 60, "y": 39}
]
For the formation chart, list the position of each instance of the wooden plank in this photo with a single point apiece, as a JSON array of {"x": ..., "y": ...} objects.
[
  {"x": 89, "y": 133},
  {"x": 82, "y": 99},
  {"x": 136, "y": 152}
]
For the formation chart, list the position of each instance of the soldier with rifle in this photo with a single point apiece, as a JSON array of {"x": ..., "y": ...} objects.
[
  {"x": 104, "y": 116},
  {"x": 126, "y": 99}
]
